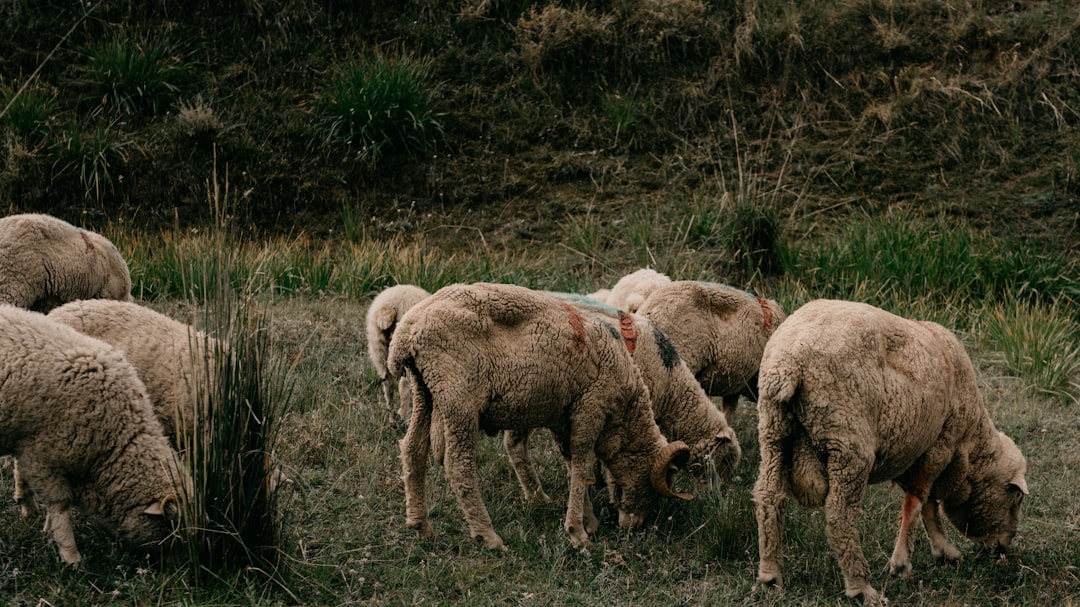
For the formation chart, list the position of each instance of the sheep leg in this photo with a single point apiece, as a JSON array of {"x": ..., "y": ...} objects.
[
  {"x": 588, "y": 515},
  {"x": 849, "y": 469},
  {"x": 58, "y": 522},
  {"x": 516, "y": 444},
  {"x": 579, "y": 448},
  {"x": 24, "y": 496},
  {"x": 940, "y": 546},
  {"x": 575, "y": 523},
  {"x": 414, "y": 453},
  {"x": 460, "y": 468},
  {"x": 730, "y": 403},
  {"x": 771, "y": 492},
  {"x": 405, "y": 396},
  {"x": 388, "y": 391},
  {"x": 900, "y": 562}
]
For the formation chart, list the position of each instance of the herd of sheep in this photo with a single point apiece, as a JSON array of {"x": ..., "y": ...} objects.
[{"x": 847, "y": 395}]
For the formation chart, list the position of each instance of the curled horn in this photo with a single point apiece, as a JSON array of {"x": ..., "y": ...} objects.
[{"x": 672, "y": 457}]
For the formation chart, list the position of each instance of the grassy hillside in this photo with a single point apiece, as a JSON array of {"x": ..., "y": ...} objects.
[{"x": 509, "y": 116}]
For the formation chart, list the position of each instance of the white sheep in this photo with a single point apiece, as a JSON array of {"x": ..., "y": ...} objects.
[
  {"x": 501, "y": 357},
  {"x": 380, "y": 321},
  {"x": 169, "y": 355},
  {"x": 719, "y": 331},
  {"x": 851, "y": 395},
  {"x": 633, "y": 289},
  {"x": 75, "y": 415},
  {"x": 45, "y": 261},
  {"x": 682, "y": 410}
]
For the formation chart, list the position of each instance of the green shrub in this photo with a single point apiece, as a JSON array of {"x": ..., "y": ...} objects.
[
  {"x": 26, "y": 113},
  {"x": 380, "y": 105},
  {"x": 133, "y": 76}
]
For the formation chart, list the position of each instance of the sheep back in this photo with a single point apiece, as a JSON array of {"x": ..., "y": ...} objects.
[
  {"x": 166, "y": 353},
  {"x": 719, "y": 331},
  {"x": 71, "y": 407},
  {"x": 45, "y": 261},
  {"x": 852, "y": 395}
]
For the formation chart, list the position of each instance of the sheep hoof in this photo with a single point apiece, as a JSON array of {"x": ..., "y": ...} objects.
[
  {"x": 539, "y": 498},
  {"x": 491, "y": 541},
  {"x": 71, "y": 558},
  {"x": 422, "y": 526},
  {"x": 900, "y": 568},
  {"x": 578, "y": 537},
  {"x": 769, "y": 575},
  {"x": 948, "y": 554},
  {"x": 871, "y": 598}
]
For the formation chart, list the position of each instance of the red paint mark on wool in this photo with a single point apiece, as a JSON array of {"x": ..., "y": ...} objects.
[
  {"x": 578, "y": 325},
  {"x": 626, "y": 329},
  {"x": 86, "y": 239},
  {"x": 766, "y": 316}
]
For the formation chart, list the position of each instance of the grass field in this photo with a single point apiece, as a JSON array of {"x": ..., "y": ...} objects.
[{"x": 343, "y": 539}]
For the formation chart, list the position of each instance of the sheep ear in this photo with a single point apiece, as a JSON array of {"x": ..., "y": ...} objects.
[{"x": 1019, "y": 483}]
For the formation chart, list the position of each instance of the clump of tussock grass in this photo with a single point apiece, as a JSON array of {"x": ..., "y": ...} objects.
[
  {"x": 133, "y": 76},
  {"x": 27, "y": 110},
  {"x": 232, "y": 520},
  {"x": 379, "y": 105},
  {"x": 1039, "y": 342},
  {"x": 92, "y": 153}
]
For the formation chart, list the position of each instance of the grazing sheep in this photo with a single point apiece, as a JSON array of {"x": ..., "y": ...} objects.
[
  {"x": 719, "y": 331},
  {"x": 166, "y": 353},
  {"x": 75, "y": 415},
  {"x": 852, "y": 395},
  {"x": 682, "y": 410},
  {"x": 45, "y": 261},
  {"x": 633, "y": 289},
  {"x": 501, "y": 357},
  {"x": 382, "y": 317}
]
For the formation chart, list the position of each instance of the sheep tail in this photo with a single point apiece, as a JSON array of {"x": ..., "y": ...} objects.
[{"x": 402, "y": 353}]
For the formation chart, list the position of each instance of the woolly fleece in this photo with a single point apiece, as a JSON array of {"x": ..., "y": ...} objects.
[
  {"x": 45, "y": 261},
  {"x": 852, "y": 395},
  {"x": 502, "y": 357},
  {"x": 75, "y": 414}
]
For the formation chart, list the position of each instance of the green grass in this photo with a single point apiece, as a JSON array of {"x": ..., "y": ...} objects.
[
  {"x": 340, "y": 536},
  {"x": 380, "y": 105},
  {"x": 133, "y": 75}
]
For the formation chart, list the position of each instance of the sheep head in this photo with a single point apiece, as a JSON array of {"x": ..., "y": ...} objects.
[
  {"x": 720, "y": 453},
  {"x": 635, "y": 501},
  {"x": 990, "y": 513}
]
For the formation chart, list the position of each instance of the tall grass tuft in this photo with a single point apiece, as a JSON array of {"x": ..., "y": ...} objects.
[
  {"x": 233, "y": 521},
  {"x": 134, "y": 76},
  {"x": 381, "y": 105},
  {"x": 910, "y": 256},
  {"x": 94, "y": 152},
  {"x": 27, "y": 112},
  {"x": 1040, "y": 343}
]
